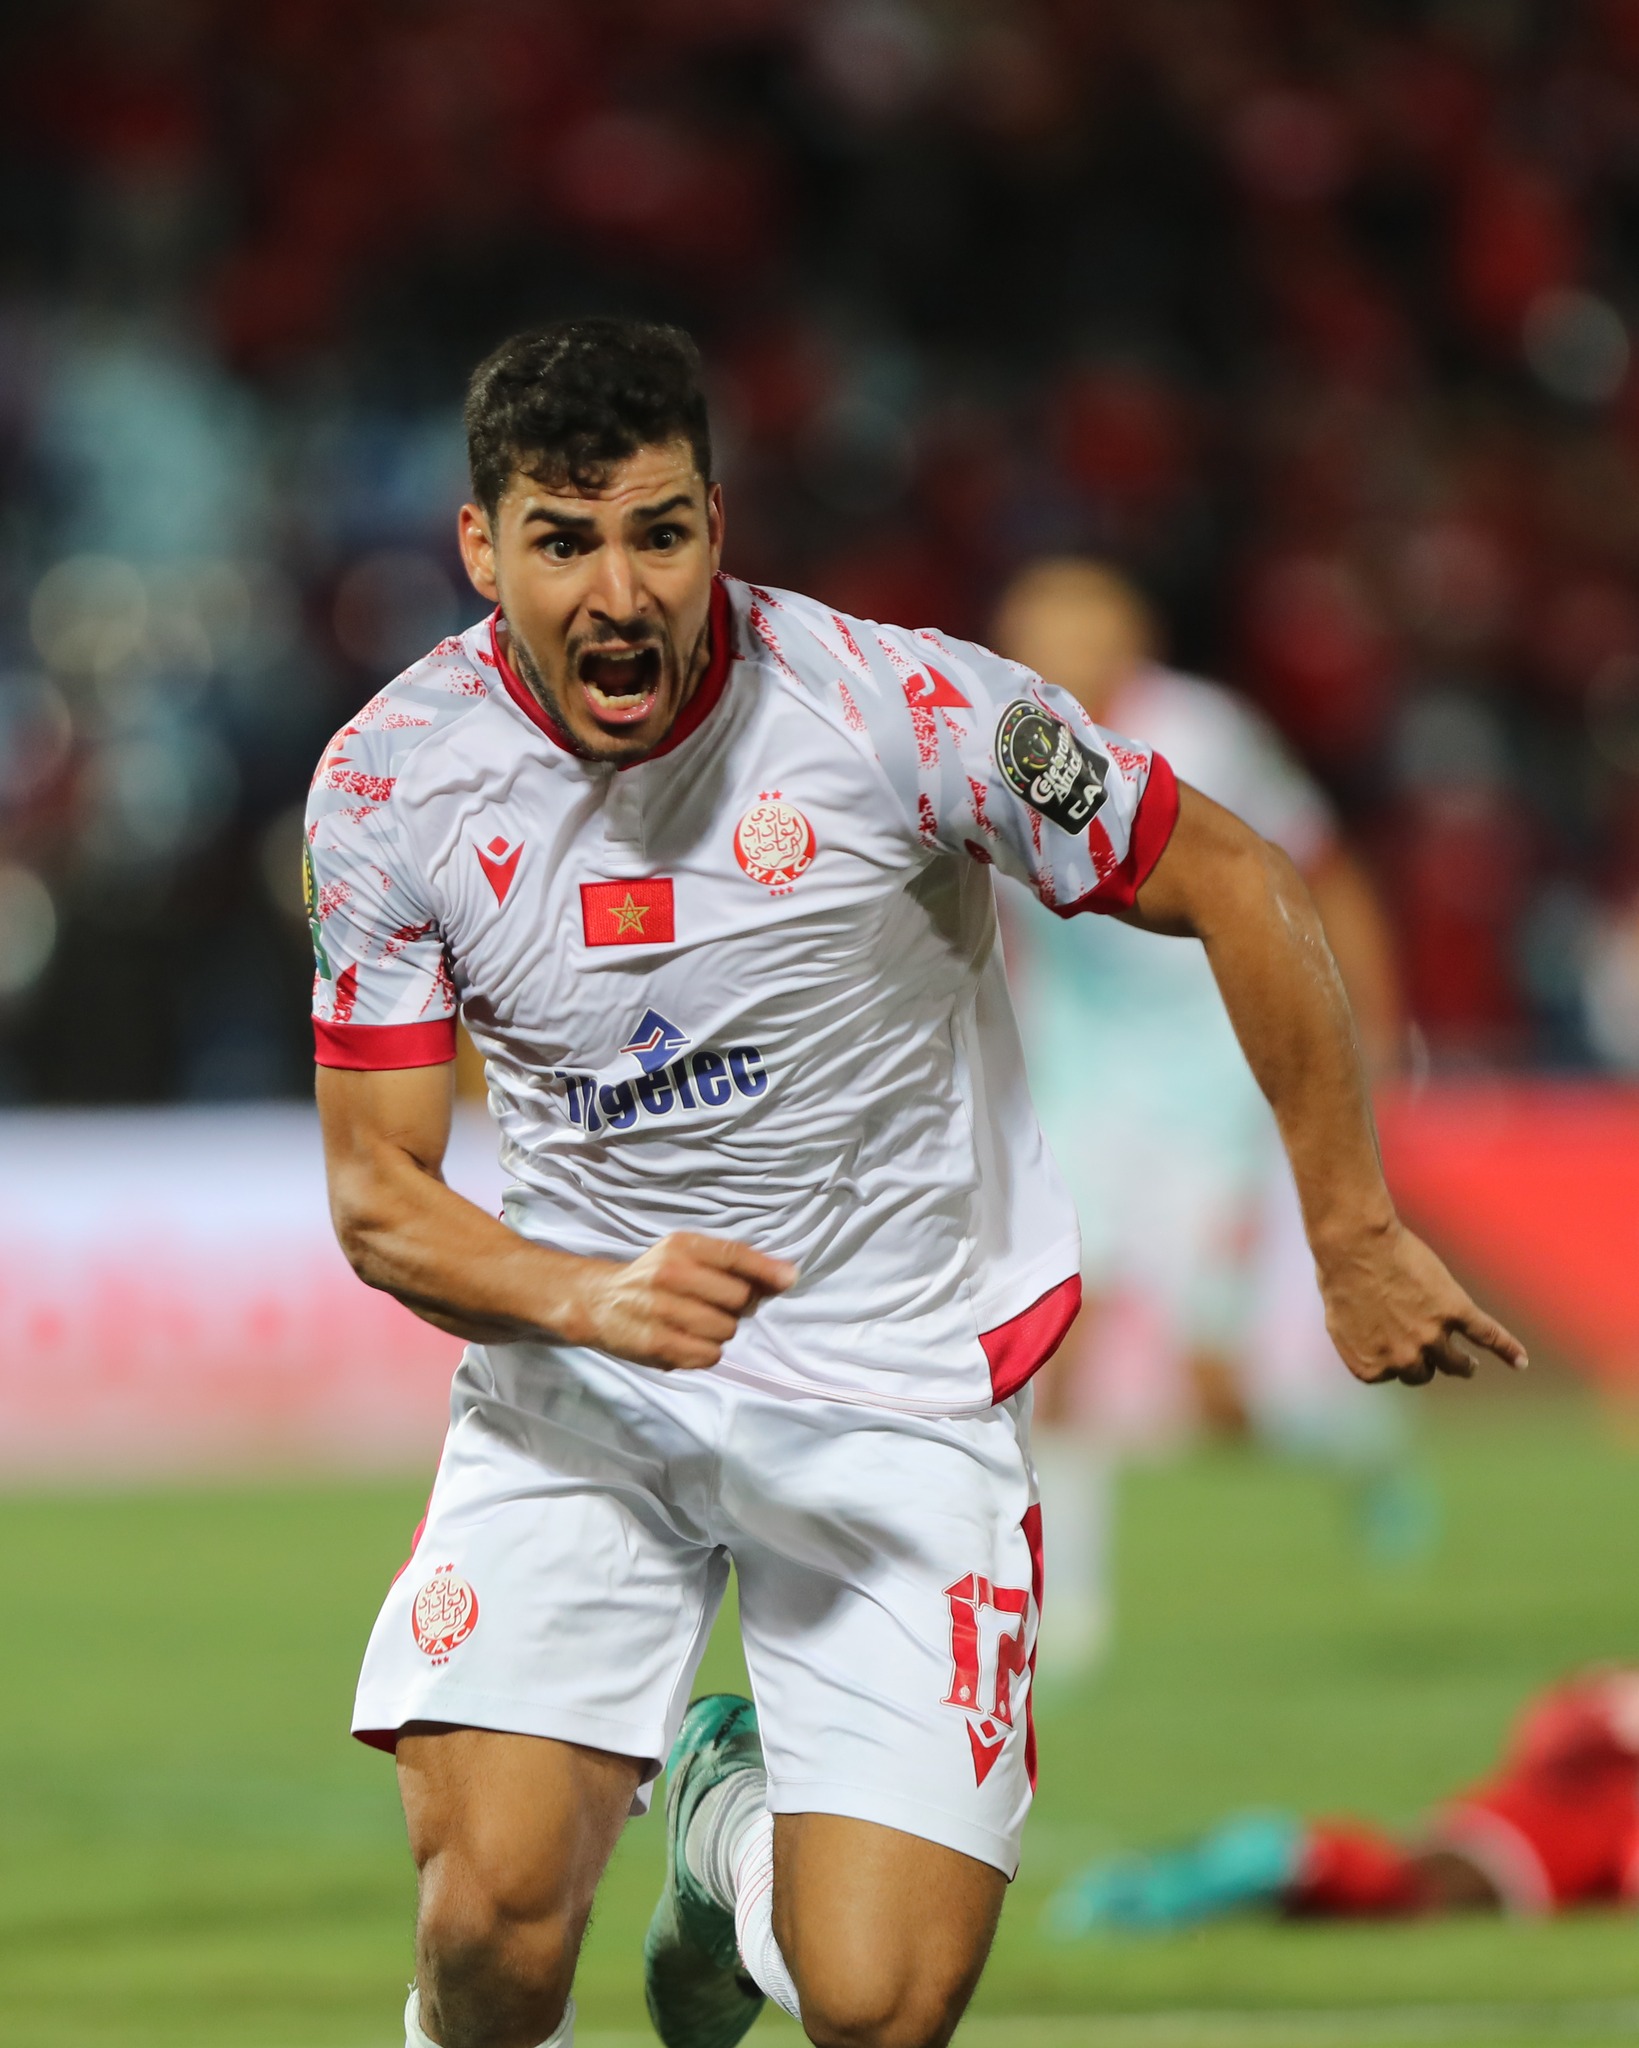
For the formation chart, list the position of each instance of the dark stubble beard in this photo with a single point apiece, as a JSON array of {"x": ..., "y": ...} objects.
[{"x": 527, "y": 666}]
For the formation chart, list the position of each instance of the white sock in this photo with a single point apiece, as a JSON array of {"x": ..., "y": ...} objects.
[
  {"x": 730, "y": 1850},
  {"x": 718, "y": 1828},
  {"x": 1076, "y": 1499},
  {"x": 563, "y": 2035},
  {"x": 754, "y": 1916}
]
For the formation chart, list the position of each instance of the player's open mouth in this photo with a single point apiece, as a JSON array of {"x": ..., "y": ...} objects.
[{"x": 620, "y": 683}]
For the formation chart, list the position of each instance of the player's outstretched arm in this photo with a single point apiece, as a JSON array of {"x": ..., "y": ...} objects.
[
  {"x": 404, "y": 1231},
  {"x": 1393, "y": 1310}
]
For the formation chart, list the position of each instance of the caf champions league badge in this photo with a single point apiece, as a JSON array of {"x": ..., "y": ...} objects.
[
  {"x": 774, "y": 842},
  {"x": 1046, "y": 764}
]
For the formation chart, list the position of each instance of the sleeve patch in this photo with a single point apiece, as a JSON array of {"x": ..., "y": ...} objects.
[{"x": 1045, "y": 763}]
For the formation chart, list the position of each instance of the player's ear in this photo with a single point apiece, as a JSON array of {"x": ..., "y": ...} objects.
[
  {"x": 714, "y": 524},
  {"x": 477, "y": 543}
]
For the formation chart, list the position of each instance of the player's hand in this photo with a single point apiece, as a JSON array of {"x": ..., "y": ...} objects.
[
  {"x": 1395, "y": 1313},
  {"x": 678, "y": 1304}
]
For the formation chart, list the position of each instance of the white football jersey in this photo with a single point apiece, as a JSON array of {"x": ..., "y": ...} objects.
[{"x": 750, "y": 985}]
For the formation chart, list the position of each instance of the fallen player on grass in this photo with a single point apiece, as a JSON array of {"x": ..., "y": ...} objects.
[{"x": 1556, "y": 1826}]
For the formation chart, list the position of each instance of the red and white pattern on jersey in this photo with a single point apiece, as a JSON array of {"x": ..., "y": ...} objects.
[
  {"x": 758, "y": 620},
  {"x": 918, "y": 699},
  {"x": 443, "y": 1614},
  {"x": 850, "y": 710},
  {"x": 774, "y": 842}
]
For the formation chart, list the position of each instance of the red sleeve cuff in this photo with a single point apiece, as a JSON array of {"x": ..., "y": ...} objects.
[
  {"x": 1152, "y": 827},
  {"x": 371, "y": 1048}
]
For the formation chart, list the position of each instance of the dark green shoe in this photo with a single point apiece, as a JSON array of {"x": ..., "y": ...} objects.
[{"x": 698, "y": 1992}]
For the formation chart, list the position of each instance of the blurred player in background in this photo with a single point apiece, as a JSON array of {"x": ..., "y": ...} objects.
[
  {"x": 1201, "y": 1300},
  {"x": 1556, "y": 1826}
]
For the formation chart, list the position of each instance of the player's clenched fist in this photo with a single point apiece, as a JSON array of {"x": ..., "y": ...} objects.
[
  {"x": 677, "y": 1305},
  {"x": 1395, "y": 1313}
]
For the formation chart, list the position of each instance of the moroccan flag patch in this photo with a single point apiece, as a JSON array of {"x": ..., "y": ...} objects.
[{"x": 628, "y": 913}]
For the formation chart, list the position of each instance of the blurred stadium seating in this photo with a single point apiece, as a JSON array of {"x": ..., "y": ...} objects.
[{"x": 1315, "y": 315}]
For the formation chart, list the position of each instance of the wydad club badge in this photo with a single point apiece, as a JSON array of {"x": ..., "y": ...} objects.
[{"x": 1045, "y": 763}]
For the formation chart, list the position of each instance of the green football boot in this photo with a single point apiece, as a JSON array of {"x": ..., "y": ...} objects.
[{"x": 698, "y": 1992}]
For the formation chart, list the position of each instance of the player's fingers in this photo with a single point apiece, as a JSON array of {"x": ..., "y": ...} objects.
[
  {"x": 697, "y": 1319},
  {"x": 686, "y": 1354},
  {"x": 1419, "y": 1373},
  {"x": 711, "y": 1283},
  {"x": 772, "y": 1275},
  {"x": 1453, "y": 1357},
  {"x": 1485, "y": 1334}
]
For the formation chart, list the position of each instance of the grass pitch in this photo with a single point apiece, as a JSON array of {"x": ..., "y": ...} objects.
[{"x": 193, "y": 1854}]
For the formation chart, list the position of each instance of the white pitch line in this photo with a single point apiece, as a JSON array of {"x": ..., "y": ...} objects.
[
  {"x": 1354, "y": 2027},
  {"x": 1348, "y": 2027}
]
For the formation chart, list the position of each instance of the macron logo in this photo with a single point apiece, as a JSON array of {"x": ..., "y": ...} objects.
[
  {"x": 655, "y": 1041},
  {"x": 499, "y": 862}
]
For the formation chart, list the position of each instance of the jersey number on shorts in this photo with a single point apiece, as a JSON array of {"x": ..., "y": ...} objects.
[{"x": 971, "y": 1636}]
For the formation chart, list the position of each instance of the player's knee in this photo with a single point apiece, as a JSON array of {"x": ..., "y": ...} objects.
[
  {"x": 493, "y": 1956},
  {"x": 881, "y": 2008}
]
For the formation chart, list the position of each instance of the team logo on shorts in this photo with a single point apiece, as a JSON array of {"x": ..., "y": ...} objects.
[
  {"x": 1044, "y": 762},
  {"x": 443, "y": 1615},
  {"x": 774, "y": 842}
]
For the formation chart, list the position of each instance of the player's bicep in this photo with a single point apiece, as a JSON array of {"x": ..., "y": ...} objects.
[
  {"x": 383, "y": 1129},
  {"x": 1206, "y": 851}
]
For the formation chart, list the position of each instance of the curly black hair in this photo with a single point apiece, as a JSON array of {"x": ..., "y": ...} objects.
[{"x": 567, "y": 402}]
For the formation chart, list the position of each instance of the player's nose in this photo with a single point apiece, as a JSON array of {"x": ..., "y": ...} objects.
[{"x": 616, "y": 589}]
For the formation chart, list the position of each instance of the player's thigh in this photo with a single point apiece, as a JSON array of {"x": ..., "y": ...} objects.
[
  {"x": 509, "y": 1829},
  {"x": 890, "y": 1581},
  {"x": 885, "y": 1933}
]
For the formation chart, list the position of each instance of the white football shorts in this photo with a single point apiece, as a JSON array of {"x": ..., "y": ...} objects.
[{"x": 577, "y": 1544}]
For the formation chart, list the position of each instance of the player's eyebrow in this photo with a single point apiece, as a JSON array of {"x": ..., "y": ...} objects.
[
  {"x": 666, "y": 505},
  {"x": 548, "y": 515}
]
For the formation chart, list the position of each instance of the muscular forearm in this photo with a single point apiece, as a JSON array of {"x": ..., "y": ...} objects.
[
  {"x": 1393, "y": 1310},
  {"x": 1248, "y": 905},
  {"x": 407, "y": 1233},
  {"x": 1285, "y": 997},
  {"x": 673, "y": 1306}
]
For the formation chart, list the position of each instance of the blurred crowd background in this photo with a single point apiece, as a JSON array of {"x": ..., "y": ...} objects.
[{"x": 1314, "y": 314}]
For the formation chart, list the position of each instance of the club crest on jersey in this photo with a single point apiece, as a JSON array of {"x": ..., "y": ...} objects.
[
  {"x": 499, "y": 862},
  {"x": 774, "y": 842},
  {"x": 1044, "y": 762},
  {"x": 654, "y": 1042},
  {"x": 443, "y": 1614}
]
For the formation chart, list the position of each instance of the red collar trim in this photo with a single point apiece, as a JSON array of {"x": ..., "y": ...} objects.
[{"x": 694, "y": 712}]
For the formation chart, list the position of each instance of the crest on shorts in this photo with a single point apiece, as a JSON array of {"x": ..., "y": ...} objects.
[
  {"x": 443, "y": 1614},
  {"x": 774, "y": 842},
  {"x": 1043, "y": 761}
]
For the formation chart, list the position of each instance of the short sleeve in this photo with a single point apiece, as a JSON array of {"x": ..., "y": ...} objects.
[
  {"x": 1003, "y": 768},
  {"x": 383, "y": 996}
]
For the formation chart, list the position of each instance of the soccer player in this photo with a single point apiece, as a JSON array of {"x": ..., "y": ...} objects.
[
  {"x": 1556, "y": 1826},
  {"x": 1197, "y": 1275},
  {"x": 707, "y": 871}
]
